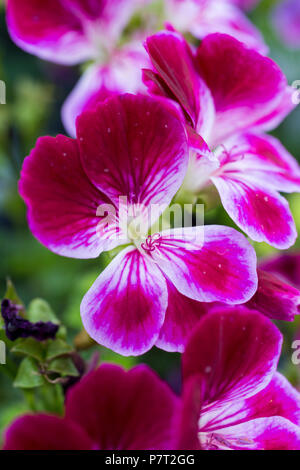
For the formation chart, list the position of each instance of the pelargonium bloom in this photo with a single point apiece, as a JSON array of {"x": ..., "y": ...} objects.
[
  {"x": 286, "y": 21},
  {"x": 203, "y": 17},
  {"x": 68, "y": 31},
  {"x": 233, "y": 397},
  {"x": 132, "y": 147},
  {"x": 229, "y": 94},
  {"x": 109, "y": 409}
]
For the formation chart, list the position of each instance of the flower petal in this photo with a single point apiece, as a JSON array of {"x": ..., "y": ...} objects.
[
  {"x": 62, "y": 203},
  {"x": 286, "y": 266},
  {"x": 122, "y": 74},
  {"x": 245, "y": 85},
  {"x": 261, "y": 212},
  {"x": 212, "y": 263},
  {"x": 173, "y": 60},
  {"x": 45, "y": 432},
  {"x": 122, "y": 410},
  {"x": 274, "y": 298},
  {"x": 236, "y": 350},
  {"x": 69, "y": 31},
  {"x": 286, "y": 20},
  {"x": 202, "y": 17},
  {"x": 274, "y": 433},
  {"x": 181, "y": 316},
  {"x": 138, "y": 149},
  {"x": 125, "y": 308}
]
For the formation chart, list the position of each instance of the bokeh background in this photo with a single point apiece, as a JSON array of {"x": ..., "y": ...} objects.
[{"x": 35, "y": 92}]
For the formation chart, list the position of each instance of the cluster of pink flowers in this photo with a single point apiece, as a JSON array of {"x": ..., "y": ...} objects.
[{"x": 151, "y": 120}]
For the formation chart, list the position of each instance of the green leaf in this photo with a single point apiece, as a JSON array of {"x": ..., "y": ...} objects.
[
  {"x": 40, "y": 310},
  {"x": 29, "y": 347},
  {"x": 28, "y": 375},
  {"x": 63, "y": 366},
  {"x": 57, "y": 348},
  {"x": 11, "y": 294}
]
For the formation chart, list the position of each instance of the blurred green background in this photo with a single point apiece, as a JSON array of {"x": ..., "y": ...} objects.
[{"x": 35, "y": 92}]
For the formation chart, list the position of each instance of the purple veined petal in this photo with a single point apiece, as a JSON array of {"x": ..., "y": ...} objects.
[
  {"x": 173, "y": 61},
  {"x": 261, "y": 158},
  {"x": 286, "y": 266},
  {"x": 277, "y": 399},
  {"x": 261, "y": 212},
  {"x": 211, "y": 263},
  {"x": 122, "y": 74},
  {"x": 274, "y": 433},
  {"x": 286, "y": 21},
  {"x": 181, "y": 317},
  {"x": 236, "y": 351},
  {"x": 123, "y": 410},
  {"x": 204, "y": 17},
  {"x": 62, "y": 203},
  {"x": 133, "y": 147},
  {"x": 125, "y": 308},
  {"x": 245, "y": 85},
  {"x": 45, "y": 432},
  {"x": 274, "y": 298},
  {"x": 67, "y": 31}
]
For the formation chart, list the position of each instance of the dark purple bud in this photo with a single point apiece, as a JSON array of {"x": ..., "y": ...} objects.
[{"x": 18, "y": 327}]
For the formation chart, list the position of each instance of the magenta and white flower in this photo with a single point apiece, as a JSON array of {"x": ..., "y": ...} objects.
[
  {"x": 233, "y": 397},
  {"x": 229, "y": 94},
  {"x": 131, "y": 146},
  {"x": 109, "y": 409},
  {"x": 203, "y": 17}
]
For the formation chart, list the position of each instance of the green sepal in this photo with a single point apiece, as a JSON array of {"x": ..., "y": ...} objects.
[
  {"x": 28, "y": 375},
  {"x": 57, "y": 348},
  {"x": 29, "y": 347},
  {"x": 63, "y": 366}
]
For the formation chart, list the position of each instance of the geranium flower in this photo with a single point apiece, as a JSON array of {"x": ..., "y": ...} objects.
[
  {"x": 203, "y": 17},
  {"x": 109, "y": 409},
  {"x": 229, "y": 94},
  {"x": 233, "y": 397},
  {"x": 286, "y": 21},
  {"x": 132, "y": 147},
  {"x": 68, "y": 31}
]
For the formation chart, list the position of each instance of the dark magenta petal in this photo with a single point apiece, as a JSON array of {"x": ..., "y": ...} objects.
[
  {"x": 62, "y": 202},
  {"x": 125, "y": 307},
  {"x": 131, "y": 146},
  {"x": 181, "y": 317},
  {"x": 122, "y": 410},
  {"x": 274, "y": 298},
  {"x": 236, "y": 350},
  {"x": 244, "y": 84},
  {"x": 174, "y": 62},
  {"x": 45, "y": 432},
  {"x": 287, "y": 266}
]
